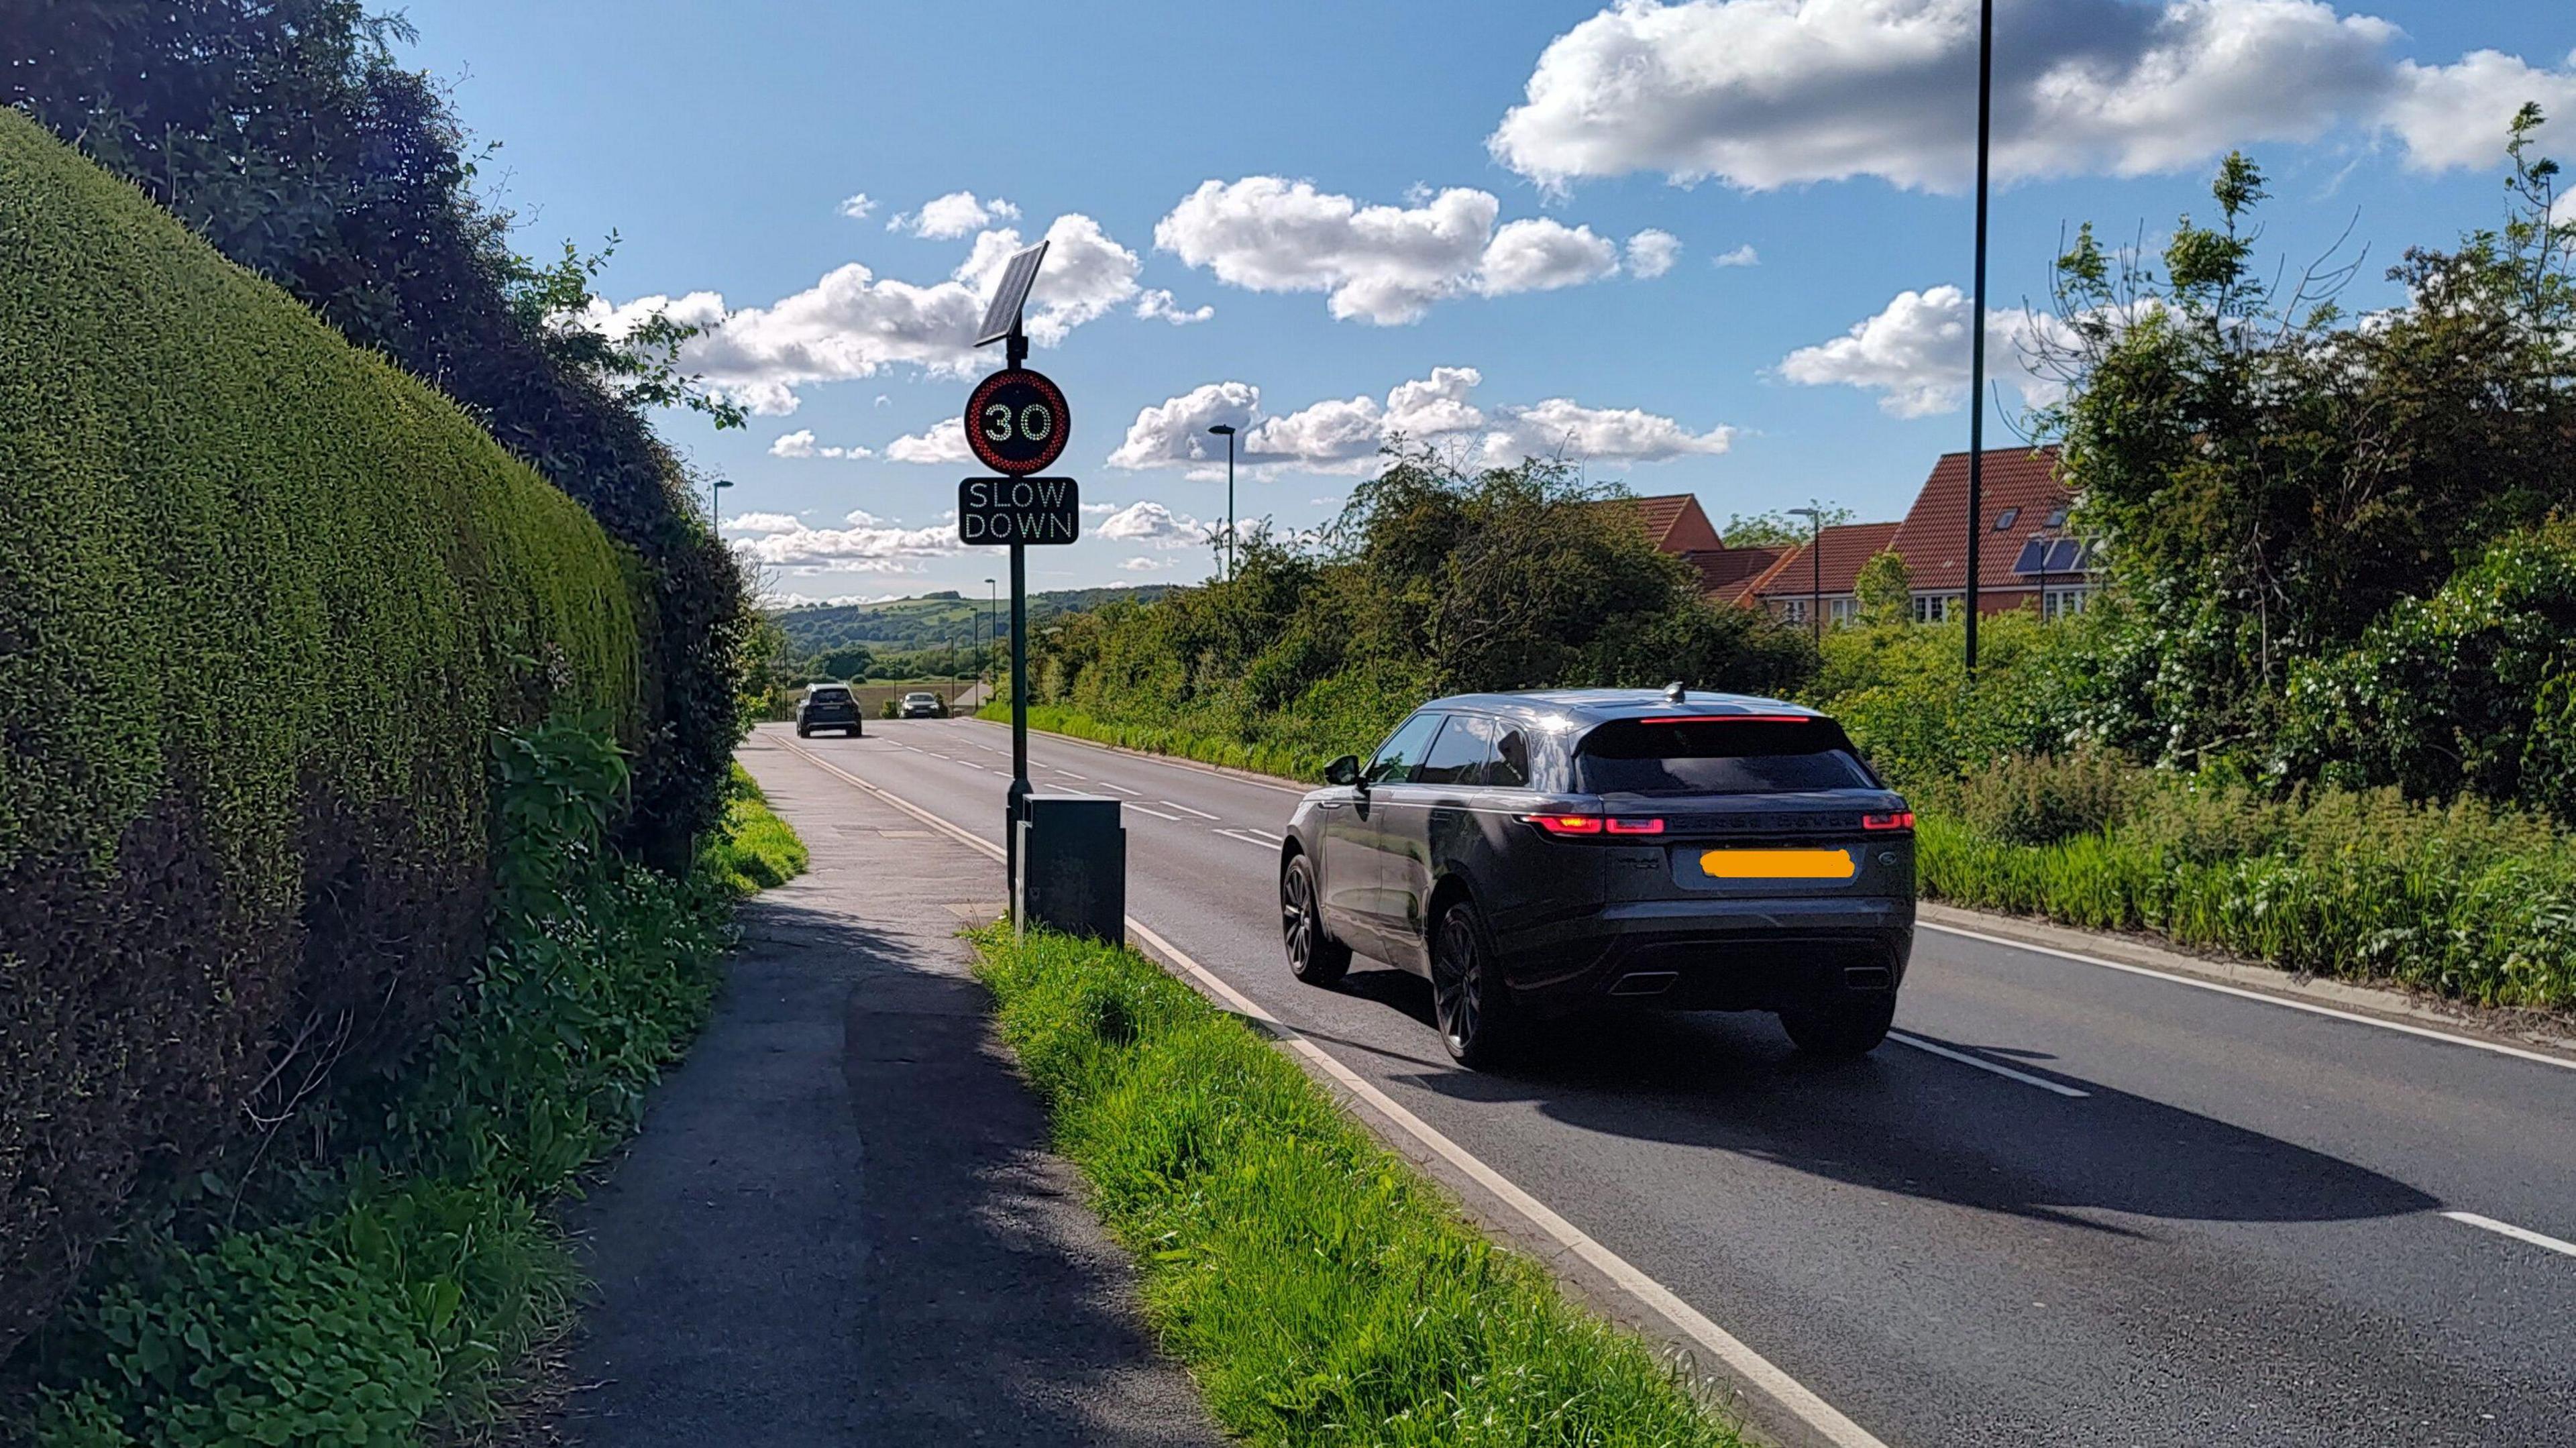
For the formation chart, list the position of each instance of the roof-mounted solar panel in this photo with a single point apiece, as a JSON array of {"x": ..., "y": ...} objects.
[
  {"x": 1018, "y": 275},
  {"x": 2062, "y": 555},
  {"x": 2033, "y": 553}
]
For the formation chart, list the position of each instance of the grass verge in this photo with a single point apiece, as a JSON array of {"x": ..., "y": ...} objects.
[
  {"x": 1295, "y": 764},
  {"x": 756, "y": 849},
  {"x": 1321, "y": 1291}
]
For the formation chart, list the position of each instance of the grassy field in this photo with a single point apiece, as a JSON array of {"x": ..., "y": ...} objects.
[
  {"x": 914, "y": 623},
  {"x": 1320, "y": 1291}
]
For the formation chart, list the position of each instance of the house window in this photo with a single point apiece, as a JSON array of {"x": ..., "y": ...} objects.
[
  {"x": 2006, "y": 518},
  {"x": 2057, "y": 516},
  {"x": 1938, "y": 607},
  {"x": 1794, "y": 610},
  {"x": 1842, "y": 610},
  {"x": 2064, "y": 602}
]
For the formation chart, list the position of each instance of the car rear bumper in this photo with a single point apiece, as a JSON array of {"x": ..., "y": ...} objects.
[{"x": 1733, "y": 954}]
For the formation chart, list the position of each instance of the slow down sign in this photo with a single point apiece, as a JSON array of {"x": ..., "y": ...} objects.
[{"x": 1018, "y": 510}]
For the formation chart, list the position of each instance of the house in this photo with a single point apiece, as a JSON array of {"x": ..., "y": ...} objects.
[
  {"x": 1729, "y": 574},
  {"x": 1821, "y": 573},
  {"x": 2025, "y": 556},
  {"x": 1675, "y": 522}
]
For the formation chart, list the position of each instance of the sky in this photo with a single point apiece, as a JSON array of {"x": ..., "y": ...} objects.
[{"x": 1718, "y": 247}]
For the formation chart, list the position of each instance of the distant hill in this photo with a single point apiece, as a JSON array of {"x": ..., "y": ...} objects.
[{"x": 932, "y": 620}]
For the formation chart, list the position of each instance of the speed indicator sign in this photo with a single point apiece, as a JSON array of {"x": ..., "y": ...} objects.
[{"x": 1016, "y": 421}]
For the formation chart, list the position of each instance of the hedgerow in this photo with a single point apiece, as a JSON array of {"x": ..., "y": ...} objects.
[{"x": 264, "y": 599}]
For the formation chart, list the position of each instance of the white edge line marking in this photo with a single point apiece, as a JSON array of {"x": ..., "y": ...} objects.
[
  {"x": 1751, "y": 1366},
  {"x": 1185, "y": 809},
  {"x": 2504, "y": 1229},
  {"x": 1982, "y": 1064},
  {"x": 2355, "y": 1017},
  {"x": 1140, "y": 809}
]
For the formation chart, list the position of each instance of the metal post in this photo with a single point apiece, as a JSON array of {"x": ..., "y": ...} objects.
[
  {"x": 1816, "y": 587},
  {"x": 1229, "y": 503},
  {"x": 1016, "y": 351},
  {"x": 1977, "y": 324}
]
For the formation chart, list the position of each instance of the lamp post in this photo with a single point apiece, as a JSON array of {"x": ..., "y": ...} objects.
[
  {"x": 1226, "y": 430},
  {"x": 1977, "y": 331},
  {"x": 992, "y": 619},
  {"x": 715, "y": 504},
  {"x": 1815, "y": 517}
]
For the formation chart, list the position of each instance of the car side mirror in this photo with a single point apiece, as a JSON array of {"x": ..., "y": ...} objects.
[{"x": 1345, "y": 770}]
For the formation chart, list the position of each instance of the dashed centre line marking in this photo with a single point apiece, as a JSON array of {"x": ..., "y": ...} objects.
[
  {"x": 1185, "y": 809},
  {"x": 1250, "y": 837},
  {"x": 2519, "y": 1234},
  {"x": 1982, "y": 1064},
  {"x": 1158, "y": 814}
]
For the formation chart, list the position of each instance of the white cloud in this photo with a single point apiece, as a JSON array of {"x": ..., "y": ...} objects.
[
  {"x": 1537, "y": 254},
  {"x": 1652, "y": 252},
  {"x": 1142, "y": 564},
  {"x": 951, "y": 216},
  {"x": 1159, "y": 303},
  {"x": 1914, "y": 353},
  {"x": 763, "y": 523},
  {"x": 1154, "y": 525},
  {"x": 853, "y": 323},
  {"x": 1375, "y": 263},
  {"x": 945, "y": 443},
  {"x": 1085, "y": 275},
  {"x": 1176, "y": 431},
  {"x": 800, "y": 444},
  {"x": 1743, "y": 255},
  {"x": 857, "y": 206},
  {"x": 1344, "y": 435},
  {"x": 1766, "y": 93},
  {"x": 864, "y": 547}
]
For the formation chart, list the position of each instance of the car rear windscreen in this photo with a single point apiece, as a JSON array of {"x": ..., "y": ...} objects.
[
  {"x": 831, "y": 696},
  {"x": 1719, "y": 756}
]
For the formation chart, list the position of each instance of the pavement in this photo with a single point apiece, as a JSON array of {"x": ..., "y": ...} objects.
[
  {"x": 841, "y": 1223},
  {"x": 2078, "y": 1202}
]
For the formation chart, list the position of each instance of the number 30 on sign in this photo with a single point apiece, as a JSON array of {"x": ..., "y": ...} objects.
[{"x": 1016, "y": 422}]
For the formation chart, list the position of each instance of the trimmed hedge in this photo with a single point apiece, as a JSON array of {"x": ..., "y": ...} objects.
[{"x": 264, "y": 600}]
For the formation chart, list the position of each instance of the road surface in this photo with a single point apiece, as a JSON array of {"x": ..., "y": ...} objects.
[{"x": 2073, "y": 1206}]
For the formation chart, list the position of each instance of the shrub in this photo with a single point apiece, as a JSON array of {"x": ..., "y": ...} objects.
[
  {"x": 263, "y": 600},
  {"x": 2040, "y": 799}
]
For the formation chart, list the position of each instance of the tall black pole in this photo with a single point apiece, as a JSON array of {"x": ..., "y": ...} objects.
[
  {"x": 1016, "y": 351},
  {"x": 1977, "y": 323},
  {"x": 1816, "y": 574},
  {"x": 1229, "y": 502}
]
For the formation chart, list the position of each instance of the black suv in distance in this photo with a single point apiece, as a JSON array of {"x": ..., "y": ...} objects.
[
  {"x": 828, "y": 706},
  {"x": 1535, "y": 853}
]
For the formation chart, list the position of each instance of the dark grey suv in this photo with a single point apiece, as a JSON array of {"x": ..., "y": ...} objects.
[
  {"x": 1536, "y": 853},
  {"x": 828, "y": 706}
]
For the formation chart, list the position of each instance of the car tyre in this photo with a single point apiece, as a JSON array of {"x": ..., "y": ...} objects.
[
  {"x": 1842, "y": 1030},
  {"x": 1314, "y": 956},
  {"x": 804, "y": 733},
  {"x": 1469, "y": 1003}
]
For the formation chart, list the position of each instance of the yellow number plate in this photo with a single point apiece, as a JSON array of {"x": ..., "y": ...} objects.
[{"x": 1778, "y": 864}]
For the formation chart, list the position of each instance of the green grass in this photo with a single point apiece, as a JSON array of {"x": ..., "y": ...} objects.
[
  {"x": 755, "y": 849},
  {"x": 1287, "y": 763},
  {"x": 1321, "y": 1292}
]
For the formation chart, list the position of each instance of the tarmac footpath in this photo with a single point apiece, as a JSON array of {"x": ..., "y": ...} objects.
[{"x": 841, "y": 1223}]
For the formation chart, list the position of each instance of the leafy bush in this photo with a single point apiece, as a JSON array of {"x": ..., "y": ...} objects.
[
  {"x": 1320, "y": 1292},
  {"x": 756, "y": 849},
  {"x": 263, "y": 598},
  {"x": 394, "y": 1291},
  {"x": 2028, "y": 799}
]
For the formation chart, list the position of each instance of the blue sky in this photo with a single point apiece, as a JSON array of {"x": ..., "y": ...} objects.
[{"x": 1379, "y": 202}]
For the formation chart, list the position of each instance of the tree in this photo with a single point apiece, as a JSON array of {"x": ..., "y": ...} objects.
[
  {"x": 852, "y": 662},
  {"x": 1884, "y": 590},
  {"x": 1777, "y": 529}
]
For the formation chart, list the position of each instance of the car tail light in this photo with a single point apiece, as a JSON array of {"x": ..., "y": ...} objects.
[
  {"x": 1902, "y": 819},
  {"x": 1566, "y": 824},
  {"x": 1620, "y": 826}
]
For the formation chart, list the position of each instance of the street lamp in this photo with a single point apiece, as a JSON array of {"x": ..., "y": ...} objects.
[
  {"x": 1977, "y": 331},
  {"x": 992, "y": 618},
  {"x": 1815, "y": 517},
  {"x": 715, "y": 504},
  {"x": 1226, "y": 430}
]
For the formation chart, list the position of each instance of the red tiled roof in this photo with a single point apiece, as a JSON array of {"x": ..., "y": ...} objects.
[
  {"x": 1842, "y": 549},
  {"x": 1934, "y": 536},
  {"x": 1728, "y": 574},
  {"x": 1675, "y": 522}
]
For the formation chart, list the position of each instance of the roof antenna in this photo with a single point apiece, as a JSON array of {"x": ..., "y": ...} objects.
[{"x": 1674, "y": 693}]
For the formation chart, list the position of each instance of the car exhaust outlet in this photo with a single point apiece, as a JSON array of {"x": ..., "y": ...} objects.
[
  {"x": 1868, "y": 977},
  {"x": 1645, "y": 983}
]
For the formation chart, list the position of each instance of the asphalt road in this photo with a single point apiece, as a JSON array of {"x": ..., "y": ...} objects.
[{"x": 2172, "y": 1217}]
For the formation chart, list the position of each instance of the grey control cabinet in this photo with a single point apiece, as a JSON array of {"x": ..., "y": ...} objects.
[{"x": 1073, "y": 866}]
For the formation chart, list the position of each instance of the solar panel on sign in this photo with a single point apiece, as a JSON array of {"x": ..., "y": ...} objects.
[
  {"x": 2061, "y": 556},
  {"x": 1004, "y": 310},
  {"x": 2031, "y": 554}
]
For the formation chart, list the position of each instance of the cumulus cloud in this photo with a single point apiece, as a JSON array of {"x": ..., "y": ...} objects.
[
  {"x": 857, "y": 206},
  {"x": 1375, "y": 263},
  {"x": 800, "y": 444},
  {"x": 1159, "y": 303},
  {"x": 1914, "y": 353},
  {"x": 1142, "y": 564},
  {"x": 1765, "y": 93},
  {"x": 1651, "y": 253},
  {"x": 853, "y": 323},
  {"x": 1743, "y": 255},
  {"x": 1346, "y": 434},
  {"x": 945, "y": 443},
  {"x": 866, "y": 546},
  {"x": 951, "y": 216},
  {"x": 1155, "y": 526},
  {"x": 763, "y": 523}
]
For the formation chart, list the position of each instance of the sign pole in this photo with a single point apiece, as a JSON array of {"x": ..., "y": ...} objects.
[{"x": 1015, "y": 351}]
